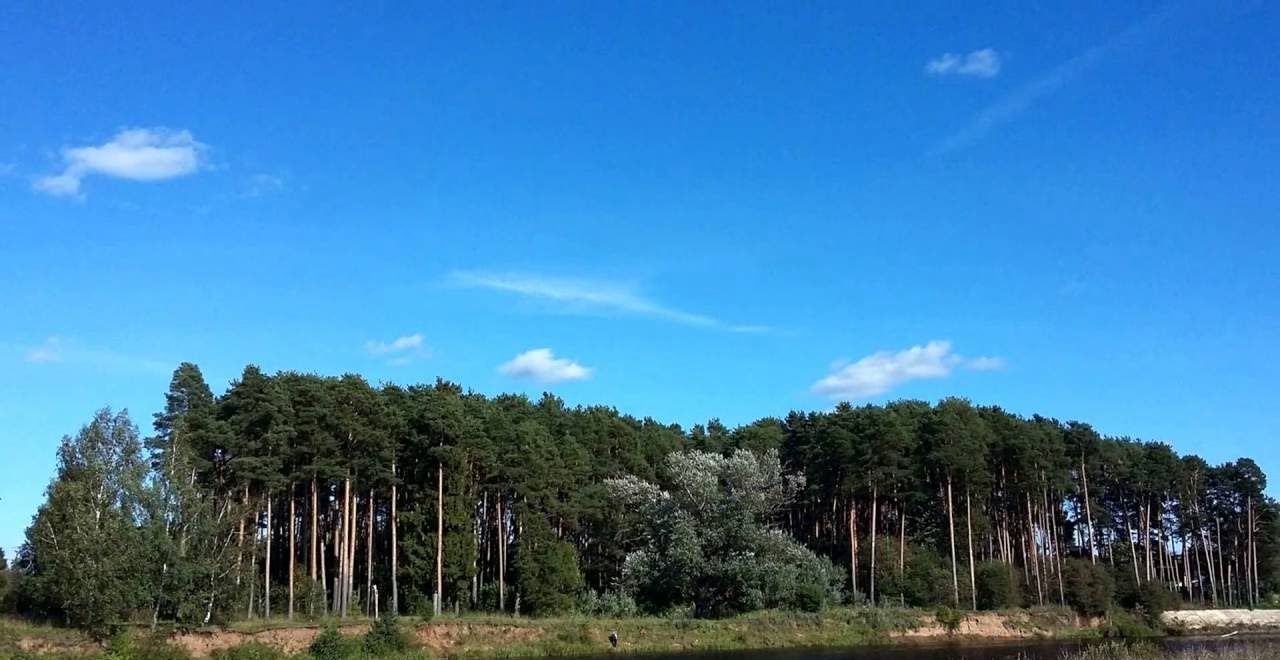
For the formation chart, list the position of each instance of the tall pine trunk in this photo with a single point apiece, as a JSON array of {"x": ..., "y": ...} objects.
[
  {"x": 502, "y": 558},
  {"x": 439, "y": 599},
  {"x": 293, "y": 529},
  {"x": 875, "y": 506},
  {"x": 951, "y": 525},
  {"x": 315, "y": 518},
  {"x": 344, "y": 567},
  {"x": 1088, "y": 510},
  {"x": 973, "y": 578},
  {"x": 395, "y": 546},
  {"x": 853, "y": 545},
  {"x": 267, "y": 570},
  {"x": 368, "y": 558},
  {"x": 351, "y": 547},
  {"x": 902, "y": 552}
]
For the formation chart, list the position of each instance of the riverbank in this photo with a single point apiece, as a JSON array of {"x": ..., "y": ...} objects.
[{"x": 490, "y": 636}]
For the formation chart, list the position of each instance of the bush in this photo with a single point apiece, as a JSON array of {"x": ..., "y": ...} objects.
[
  {"x": 610, "y": 604},
  {"x": 420, "y": 606},
  {"x": 927, "y": 579},
  {"x": 1124, "y": 624},
  {"x": 1089, "y": 588},
  {"x": 309, "y": 596},
  {"x": 1150, "y": 600},
  {"x": 250, "y": 651},
  {"x": 950, "y": 619},
  {"x": 332, "y": 645},
  {"x": 386, "y": 636},
  {"x": 997, "y": 588},
  {"x": 548, "y": 570},
  {"x": 809, "y": 597},
  {"x": 128, "y": 646}
]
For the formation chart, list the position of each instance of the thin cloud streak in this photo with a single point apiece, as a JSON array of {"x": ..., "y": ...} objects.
[
  {"x": 399, "y": 351},
  {"x": 58, "y": 351},
  {"x": 1013, "y": 105},
  {"x": 589, "y": 294}
]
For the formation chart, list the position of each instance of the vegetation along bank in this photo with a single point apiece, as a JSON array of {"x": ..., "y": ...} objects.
[{"x": 299, "y": 497}]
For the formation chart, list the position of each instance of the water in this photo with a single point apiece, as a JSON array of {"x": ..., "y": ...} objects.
[{"x": 1048, "y": 650}]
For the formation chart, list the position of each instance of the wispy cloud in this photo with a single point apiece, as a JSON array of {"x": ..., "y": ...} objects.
[
  {"x": 57, "y": 350},
  {"x": 399, "y": 351},
  {"x": 260, "y": 185},
  {"x": 541, "y": 365},
  {"x": 984, "y": 63},
  {"x": 592, "y": 295},
  {"x": 882, "y": 371},
  {"x": 138, "y": 154},
  {"x": 1014, "y": 104},
  {"x": 49, "y": 351}
]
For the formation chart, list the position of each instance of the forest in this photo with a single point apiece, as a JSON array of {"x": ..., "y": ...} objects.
[{"x": 301, "y": 496}]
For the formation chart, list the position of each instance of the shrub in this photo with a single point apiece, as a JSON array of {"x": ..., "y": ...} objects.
[
  {"x": 927, "y": 579},
  {"x": 1127, "y": 625},
  {"x": 331, "y": 645},
  {"x": 250, "y": 651},
  {"x": 1089, "y": 587},
  {"x": 996, "y": 586},
  {"x": 809, "y": 597},
  {"x": 386, "y": 636},
  {"x": 950, "y": 619},
  {"x": 420, "y": 606},
  {"x": 611, "y": 604},
  {"x": 1150, "y": 600},
  {"x": 548, "y": 570}
]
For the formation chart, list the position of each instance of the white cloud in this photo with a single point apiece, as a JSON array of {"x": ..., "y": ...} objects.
[
  {"x": 882, "y": 371},
  {"x": 580, "y": 295},
  {"x": 49, "y": 351},
  {"x": 983, "y": 63},
  {"x": 400, "y": 350},
  {"x": 259, "y": 185},
  {"x": 541, "y": 365},
  {"x": 138, "y": 154},
  {"x": 56, "y": 350}
]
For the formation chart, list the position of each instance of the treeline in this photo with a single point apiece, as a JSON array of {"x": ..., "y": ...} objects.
[{"x": 299, "y": 495}]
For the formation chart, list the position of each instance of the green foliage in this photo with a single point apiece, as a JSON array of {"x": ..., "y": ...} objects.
[
  {"x": 996, "y": 586},
  {"x": 926, "y": 580},
  {"x": 1150, "y": 600},
  {"x": 579, "y": 496},
  {"x": 386, "y": 636},
  {"x": 1124, "y": 624},
  {"x": 809, "y": 596},
  {"x": 126, "y": 645},
  {"x": 330, "y": 645},
  {"x": 1089, "y": 588},
  {"x": 707, "y": 539},
  {"x": 613, "y": 604},
  {"x": 94, "y": 503},
  {"x": 258, "y": 651},
  {"x": 949, "y": 618},
  {"x": 548, "y": 573}
]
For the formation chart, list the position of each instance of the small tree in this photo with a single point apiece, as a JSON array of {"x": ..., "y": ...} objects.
[
  {"x": 549, "y": 578},
  {"x": 94, "y": 504},
  {"x": 1089, "y": 588},
  {"x": 708, "y": 538},
  {"x": 996, "y": 587}
]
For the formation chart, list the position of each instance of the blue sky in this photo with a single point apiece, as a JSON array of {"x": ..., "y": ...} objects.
[{"x": 685, "y": 210}]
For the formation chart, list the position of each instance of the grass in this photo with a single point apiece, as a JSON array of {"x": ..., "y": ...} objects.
[
  {"x": 501, "y": 636},
  {"x": 1228, "y": 651}
]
